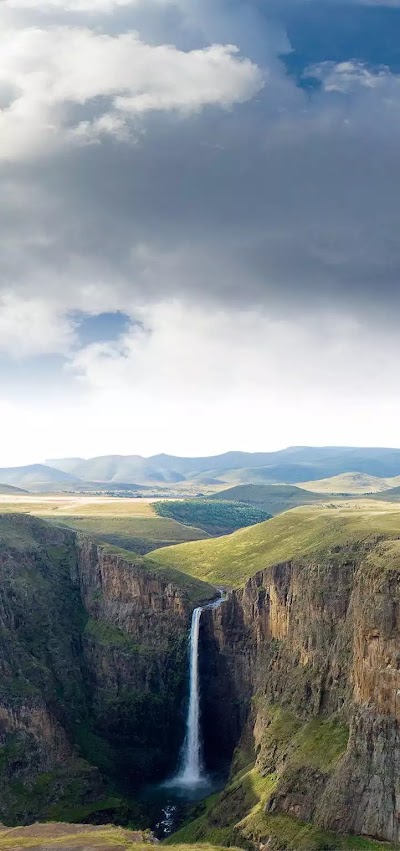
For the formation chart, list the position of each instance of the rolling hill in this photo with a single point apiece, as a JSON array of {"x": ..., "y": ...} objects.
[
  {"x": 11, "y": 490},
  {"x": 233, "y": 559},
  {"x": 272, "y": 498},
  {"x": 293, "y": 465},
  {"x": 346, "y": 483},
  {"x": 287, "y": 466},
  {"x": 128, "y": 523},
  {"x": 34, "y": 475}
]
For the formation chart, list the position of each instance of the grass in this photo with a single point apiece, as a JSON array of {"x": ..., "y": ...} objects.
[
  {"x": 356, "y": 483},
  {"x": 138, "y": 534},
  {"x": 295, "y": 835},
  {"x": 128, "y": 523},
  {"x": 238, "y": 816},
  {"x": 231, "y": 560},
  {"x": 196, "y": 589},
  {"x": 272, "y": 498},
  {"x": 318, "y": 743},
  {"x": 78, "y": 506},
  {"x": 58, "y": 835},
  {"x": 108, "y": 635}
]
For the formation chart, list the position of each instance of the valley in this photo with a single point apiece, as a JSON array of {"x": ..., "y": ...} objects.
[{"x": 297, "y": 676}]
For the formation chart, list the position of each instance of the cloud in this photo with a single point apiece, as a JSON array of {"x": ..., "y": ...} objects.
[
  {"x": 50, "y": 75},
  {"x": 207, "y": 381},
  {"x": 247, "y": 231},
  {"x": 31, "y": 326},
  {"x": 352, "y": 77},
  {"x": 92, "y": 6}
]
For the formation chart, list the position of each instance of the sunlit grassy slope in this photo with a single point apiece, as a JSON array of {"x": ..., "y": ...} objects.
[
  {"x": 357, "y": 483},
  {"x": 233, "y": 559},
  {"x": 128, "y": 523},
  {"x": 272, "y": 498},
  {"x": 80, "y": 837}
]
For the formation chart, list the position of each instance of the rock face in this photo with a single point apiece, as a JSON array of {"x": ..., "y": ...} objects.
[
  {"x": 135, "y": 650},
  {"x": 316, "y": 639},
  {"x": 301, "y": 666},
  {"x": 93, "y": 666}
]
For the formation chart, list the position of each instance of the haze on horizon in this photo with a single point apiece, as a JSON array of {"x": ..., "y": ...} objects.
[{"x": 205, "y": 259}]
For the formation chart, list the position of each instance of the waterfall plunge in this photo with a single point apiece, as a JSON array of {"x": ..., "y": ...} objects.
[{"x": 191, "y": 773}]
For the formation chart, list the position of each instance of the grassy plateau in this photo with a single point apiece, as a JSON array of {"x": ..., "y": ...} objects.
[
  {"x": 231, "y": 560},
  {"x": 128, "y": 523}
]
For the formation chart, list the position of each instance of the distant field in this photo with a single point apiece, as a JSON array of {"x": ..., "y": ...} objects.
[
  {"x": 271, "y": 498},
  {"x": 128, "y": 523},
  {"x": 233, "y": 559},
  {"x": 357, "y": 483},
  {"x": 79, "y": 506}
]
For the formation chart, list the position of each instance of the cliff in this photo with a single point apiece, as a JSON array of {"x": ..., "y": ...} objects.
[
  {"x": 300, "y": 673},
  {"x": 93, "y": 663},
  {"x": 307, "y": 671}
]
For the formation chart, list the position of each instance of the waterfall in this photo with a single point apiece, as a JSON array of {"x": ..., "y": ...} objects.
[{"x": 191, "y": 773}]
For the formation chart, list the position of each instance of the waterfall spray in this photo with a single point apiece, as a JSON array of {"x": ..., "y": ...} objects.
[{"x": 191, "y": 773}]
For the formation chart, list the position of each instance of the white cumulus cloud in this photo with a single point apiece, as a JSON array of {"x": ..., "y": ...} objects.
[
  {"x": 61, "y": 84},
  {"x": 92, "y": 6}
]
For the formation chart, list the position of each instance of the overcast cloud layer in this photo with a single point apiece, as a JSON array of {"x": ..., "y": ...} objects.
[{"x": 200, "y": 170}]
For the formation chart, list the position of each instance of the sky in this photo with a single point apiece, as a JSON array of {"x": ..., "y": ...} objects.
[{"x": 199, "y": 226}]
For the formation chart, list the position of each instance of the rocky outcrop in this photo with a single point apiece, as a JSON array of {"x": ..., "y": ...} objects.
[
  {"x": 93, "y": 665},
  {"x": 317, "y": 638},
  {"x": 135, "y": 651}
]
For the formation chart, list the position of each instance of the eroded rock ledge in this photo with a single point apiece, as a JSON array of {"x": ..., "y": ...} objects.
[{"x": 315, "y": 640}]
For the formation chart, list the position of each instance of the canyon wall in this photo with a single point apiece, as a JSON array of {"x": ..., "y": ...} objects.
[
  {"x": 300, "y": 668},
  {"x": 316, "y": 642},
  {"x": 93, "y": 670}
]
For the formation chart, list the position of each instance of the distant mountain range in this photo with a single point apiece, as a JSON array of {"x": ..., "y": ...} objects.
[
  {"x": 298, "y": 464},
  {"x": 9, "y": 490},
  {"x": 33, "y": 476}
]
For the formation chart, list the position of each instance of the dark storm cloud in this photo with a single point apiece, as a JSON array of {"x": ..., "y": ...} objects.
[{"x": 288, "y": 203}]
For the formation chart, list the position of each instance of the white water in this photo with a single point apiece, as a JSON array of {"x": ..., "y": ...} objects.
[{"x": 192, "y": 772}]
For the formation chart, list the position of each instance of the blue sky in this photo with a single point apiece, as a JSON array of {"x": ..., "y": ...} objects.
[{"x": 198, "y": 225}]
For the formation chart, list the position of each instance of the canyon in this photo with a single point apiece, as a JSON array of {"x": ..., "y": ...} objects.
[{"x": 300, "y": 689}]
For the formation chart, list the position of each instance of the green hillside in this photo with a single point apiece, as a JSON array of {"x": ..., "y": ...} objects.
[
  {"x": 10, "y": 489},
  {"x": 140, "y": 534},
  {"x": 272, "y": 498},
  {"x": 233, "y": 559},
  {"x": 128, "y": 523},
  {"x": 357, "y": 483},
  {"x": 216, "y": 517}
]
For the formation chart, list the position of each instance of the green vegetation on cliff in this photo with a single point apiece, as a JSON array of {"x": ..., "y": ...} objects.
[
  {"x": 233, "y": 559},
  {"x": 93, "y": 667},
  {"x": 214, "y": 516},
  {"x": 243, "y": 813}
]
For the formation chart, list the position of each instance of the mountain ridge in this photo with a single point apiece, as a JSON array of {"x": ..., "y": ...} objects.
[{"x": 292, "y": 465}]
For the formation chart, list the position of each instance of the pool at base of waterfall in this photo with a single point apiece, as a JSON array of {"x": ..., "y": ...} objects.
[{"x": 171, "y": 802}]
